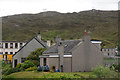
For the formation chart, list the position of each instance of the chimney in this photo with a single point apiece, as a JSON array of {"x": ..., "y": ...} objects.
[
  {"x": 86, "y": 50},
  {"x": 57, "y": 40},
  {"x": 86, "y": 36},
  {"x": 48, "y": 43},
  {"x": 61, "y": 54},
  {"x": 39, "y": 36}
]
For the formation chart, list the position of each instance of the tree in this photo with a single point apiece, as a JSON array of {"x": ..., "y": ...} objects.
[
  {"x": 34, "y": 56},
  {"x": 104, "y": 72}
]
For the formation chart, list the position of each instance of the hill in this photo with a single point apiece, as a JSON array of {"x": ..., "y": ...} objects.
[{"x": 101, "y": 24}]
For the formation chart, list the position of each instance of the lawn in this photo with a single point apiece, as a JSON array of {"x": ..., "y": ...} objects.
[{"x": 35, "y": 74}]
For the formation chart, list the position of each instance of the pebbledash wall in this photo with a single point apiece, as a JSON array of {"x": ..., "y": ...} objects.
[
  {"x": 73, "y": 55},
  {"x": 8, "y": 49}
]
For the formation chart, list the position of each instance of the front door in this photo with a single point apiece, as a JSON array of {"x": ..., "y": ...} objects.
[{"x": 15, "y": 62}]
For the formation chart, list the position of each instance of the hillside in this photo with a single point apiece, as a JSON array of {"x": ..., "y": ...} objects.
[{"x": 101, "y": 24}]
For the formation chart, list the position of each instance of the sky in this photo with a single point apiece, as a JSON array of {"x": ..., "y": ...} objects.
[{"x": 11, "y": 7}]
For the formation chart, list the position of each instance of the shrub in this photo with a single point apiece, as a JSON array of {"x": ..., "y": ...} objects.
[
  {"x": 104, "y": 72},
  {"x": 116, "y": 67},
  {"x": 19, "y": 65},
  {"x": 12, "y": 70},
  {"x": 34, "y": 56},
  {"x": 27, "y": 64},
  {"x": 37, "y": 63},
  {"x": 5, "y": 67},
  {"x": 31, "y": 69}
]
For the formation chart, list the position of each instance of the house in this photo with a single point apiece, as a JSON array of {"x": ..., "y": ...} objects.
[
  {"x": 8, "y": 49},
  {"x": 73, "y": 55},
  {"x": 30, "y": 46},
  {"x": 110, "y": 52}
]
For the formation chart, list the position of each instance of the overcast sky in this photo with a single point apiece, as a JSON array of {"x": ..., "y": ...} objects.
[{"x": 11, "y": 7}]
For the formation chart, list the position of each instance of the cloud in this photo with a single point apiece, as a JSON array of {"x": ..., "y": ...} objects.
[{"x": 10, "y": 7}]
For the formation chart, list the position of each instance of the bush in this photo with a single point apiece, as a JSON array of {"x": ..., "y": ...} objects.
[
  {"x": 27, "y": 64},
  {"x": 116, "y": 67},
  {"x": 5, "y": 67},
  {"x": 37, "y": 63},
  {"x": 34, "y": 56},
  {"x": 12, "y": 70},
  {"x": 31, "y": 69},
  {"x": 19, "y": 65},
  {"x": 104, "y": 72}
]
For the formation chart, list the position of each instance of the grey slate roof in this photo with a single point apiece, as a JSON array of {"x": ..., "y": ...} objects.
[{"x": 68, "y": 46}]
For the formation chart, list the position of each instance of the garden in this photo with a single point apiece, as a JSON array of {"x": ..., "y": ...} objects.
[{"x": 31, "y": 69}]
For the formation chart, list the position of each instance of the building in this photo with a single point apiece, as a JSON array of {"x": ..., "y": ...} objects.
[
  {"x": 30, "y": 46},
  {"x": 8, "y": 49},
  {"x": 110, "y": 52},
  {"x": 73, "y": 55}
]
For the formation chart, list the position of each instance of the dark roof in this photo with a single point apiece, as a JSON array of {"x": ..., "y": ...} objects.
[
  {"x": 40, "y": 41},
  {"x": 68, "y": 46}
]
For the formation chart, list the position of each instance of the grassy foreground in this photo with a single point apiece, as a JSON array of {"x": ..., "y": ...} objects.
[{"x": 35, "y": 74}]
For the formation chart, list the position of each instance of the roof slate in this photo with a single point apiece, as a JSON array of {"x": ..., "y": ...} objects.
[{"x": 68, "y": 45}]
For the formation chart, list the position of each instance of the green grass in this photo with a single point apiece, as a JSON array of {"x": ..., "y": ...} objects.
[
  {"x": 35, "y": 74},
  {"x": 110, "y": 60}
]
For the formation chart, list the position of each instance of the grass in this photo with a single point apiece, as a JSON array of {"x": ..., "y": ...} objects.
[
  {"x": 110, "y": 60},
  {"x": 35, "y": 74}
]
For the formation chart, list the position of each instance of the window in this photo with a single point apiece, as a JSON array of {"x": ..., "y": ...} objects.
[
  {"x": 11, "y": 45},
  {"x": 23, "y": 60},
  {"x": 11, "y": 52},
  {"x": 6, "y": 45},
  {"x": 44, "y": 61},
  {"x": 6, "y": 52},
  {"x": 1, "y": 45},
  {"x": 21, "y": 45},
  {"x": 16, "y": 45}
]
